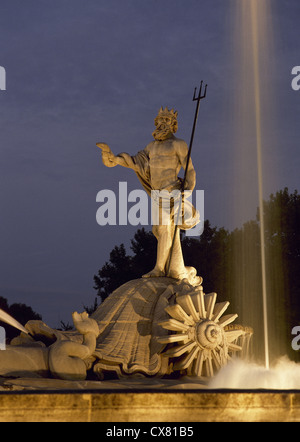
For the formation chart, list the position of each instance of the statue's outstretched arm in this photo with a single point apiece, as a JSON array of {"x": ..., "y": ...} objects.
[{"x": 109, "y": 159}]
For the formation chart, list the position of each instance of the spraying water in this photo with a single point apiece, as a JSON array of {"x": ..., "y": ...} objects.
[
  {"x": 238, "y": 374},
  {"x": 255, "y": 13},
  {"x": 257, "y": 287},
  {"x": 252, "y": 118}
]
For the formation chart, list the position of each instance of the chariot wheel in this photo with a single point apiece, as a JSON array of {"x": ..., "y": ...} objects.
[{"x": 200, "y": 340}]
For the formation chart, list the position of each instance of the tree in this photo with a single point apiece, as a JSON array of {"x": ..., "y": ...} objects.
[
  {"x": 282, "y": 220},
  {"x": 122, "y": 267},
  {"x": 208, "y": 254},
  {"x": 282, "y": 261},
  {"x": 21, "y": 312},
  {"x": 113, "y": 273},
  {"x": 143, "y": 246}
]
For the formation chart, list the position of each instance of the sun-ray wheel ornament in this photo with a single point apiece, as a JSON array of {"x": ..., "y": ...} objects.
[{"x": 200, "y": 339}]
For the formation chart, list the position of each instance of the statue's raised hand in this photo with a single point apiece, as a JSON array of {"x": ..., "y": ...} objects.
[{"x": 108, "y": 157}]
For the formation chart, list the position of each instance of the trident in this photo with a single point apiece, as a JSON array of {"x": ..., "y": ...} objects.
[{"x": 198, "y": 99}]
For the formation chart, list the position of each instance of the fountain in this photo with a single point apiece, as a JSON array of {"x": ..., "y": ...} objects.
[
  {"x": 253, "y": 122},
  {"x": 256, "y": 34},
  {"x": 251, "y": 46},
  {"x": 159, "y": 325}
]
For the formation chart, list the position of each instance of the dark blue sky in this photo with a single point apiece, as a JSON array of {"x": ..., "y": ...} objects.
[{"x": 82, "y": 71}]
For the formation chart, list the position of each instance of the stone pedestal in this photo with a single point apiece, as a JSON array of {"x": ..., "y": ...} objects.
[{"x": 150, "y": 406}]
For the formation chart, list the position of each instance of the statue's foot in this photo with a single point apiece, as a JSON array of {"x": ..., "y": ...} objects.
[
  {"x": 189, "y": 273},
  {"x": 155, "y": 273},
  {"x": 175, "y": 274},
  {"x": 193, "y": 278}
]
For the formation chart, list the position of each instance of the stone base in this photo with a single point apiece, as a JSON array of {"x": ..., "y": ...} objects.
[{"x": 149, "y": 405}]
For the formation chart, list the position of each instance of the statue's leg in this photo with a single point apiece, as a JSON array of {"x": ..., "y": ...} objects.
[
  {"x": 164, "y": 242},
  {"x": 177, "y": 269}
]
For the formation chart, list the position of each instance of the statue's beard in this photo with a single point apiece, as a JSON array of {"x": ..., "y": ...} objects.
[{"x": 161, "y": 134}]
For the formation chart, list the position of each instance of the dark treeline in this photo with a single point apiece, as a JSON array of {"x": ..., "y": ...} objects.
[
  {"x": 230, "y": 264},
  {"x": 19, "y": 311}
]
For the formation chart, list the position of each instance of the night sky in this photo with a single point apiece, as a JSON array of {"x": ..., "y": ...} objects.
[{"x": 83, "y": 71}]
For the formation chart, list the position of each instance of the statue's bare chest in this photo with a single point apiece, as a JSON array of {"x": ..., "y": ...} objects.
[{"x": 163, "y": 151}]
